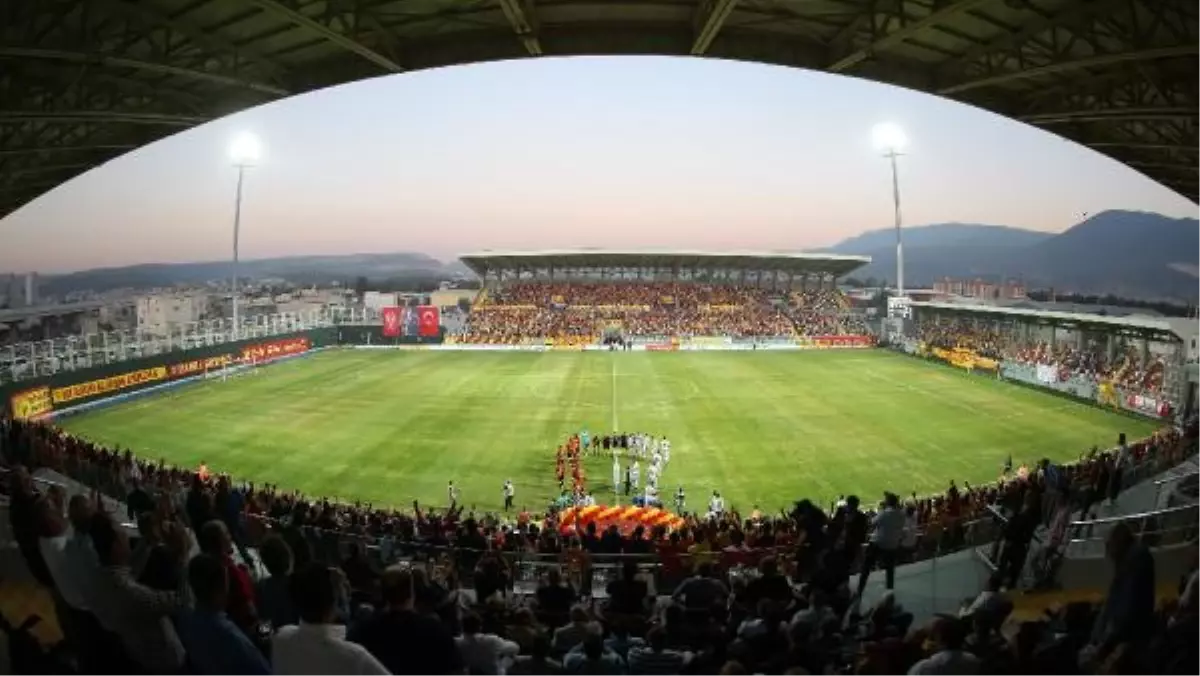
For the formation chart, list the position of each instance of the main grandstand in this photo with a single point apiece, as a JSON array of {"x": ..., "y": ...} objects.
[
  {"x": 359, "y": 437},
  {"x": 655, "y": 298}
]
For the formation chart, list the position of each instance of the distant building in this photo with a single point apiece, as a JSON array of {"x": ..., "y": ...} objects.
[
  {"x": 978, "y": 288},
  {"x": 164, "y": 313},
  {"x": 375, "y": 300},
  {"x": 20, "y": 290}
]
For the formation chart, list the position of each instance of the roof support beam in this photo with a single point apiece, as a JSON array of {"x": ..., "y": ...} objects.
[
  {"x": 1065, "y": 66},
  {"x": 328, "y": 34},
  {"x": 47, "y": 169},
  {"x": 73, "y": 116},
  {"x": 122, "y": 62},
  {"x": 903, "y": 33},
  {"x": 1164, "y": 165},
  {"x": 710, "y": 18},
  {"x": 147, "y": 16},
  {"x": 1114, "y": 114},
  {"x": 1136, "y": 145},
  {"x": 521, "y": 17},
  {"x": 17, "y": 152}
]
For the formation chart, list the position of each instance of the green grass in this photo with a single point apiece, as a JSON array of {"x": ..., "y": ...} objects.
[{"x": 765, "y": 428}]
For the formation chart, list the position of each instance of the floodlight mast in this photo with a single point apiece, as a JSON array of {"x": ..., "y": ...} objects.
[
  {"x": 244, "y": 152},
  {"x": 890, "y": 138}
]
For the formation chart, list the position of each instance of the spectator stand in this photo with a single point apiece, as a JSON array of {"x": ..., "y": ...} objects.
[{"x": 1136, "y": 364}]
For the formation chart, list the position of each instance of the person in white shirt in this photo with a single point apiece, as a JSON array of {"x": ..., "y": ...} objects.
[
  {"x": 317, "y": 645},
  {"x": 652, "y": 475},
  {"x": 616, "y": 474},
  {"x": 452, "y": 493},
  {"x": 887, "y": 532},
  {"x": 716, "y": 504},
  {"x": 509, "y": 493},
  {"x": 651, "y": 498},
  {"x": 666, "y": 450},
  {"x": 635, "y": 474},
  {"x": 484, "y": 653}
]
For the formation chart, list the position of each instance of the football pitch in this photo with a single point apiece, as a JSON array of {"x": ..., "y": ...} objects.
[{"x": 764, "y": 428}]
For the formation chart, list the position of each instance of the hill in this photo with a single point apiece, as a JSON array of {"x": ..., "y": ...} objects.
[
  {"x": 1125, "y": 253},
  {"x": 298, "y": 269}
]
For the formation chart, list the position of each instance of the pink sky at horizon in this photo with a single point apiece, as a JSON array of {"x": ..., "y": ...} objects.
[{"x": 630, "y": 152}]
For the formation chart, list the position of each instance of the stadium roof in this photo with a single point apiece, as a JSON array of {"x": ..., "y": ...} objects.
[
  {"x": 795, "y": 263},
  {"x": 1185, "y": 329},
  {"x": 84, "y": 81}
]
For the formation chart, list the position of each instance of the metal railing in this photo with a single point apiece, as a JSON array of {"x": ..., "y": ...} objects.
[{"x": 1157, "y": 528}]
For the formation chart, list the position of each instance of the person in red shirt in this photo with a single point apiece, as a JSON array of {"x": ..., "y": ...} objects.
[
  {"x": 214, "y": 540},
  {"x": 203, "y": 471}
]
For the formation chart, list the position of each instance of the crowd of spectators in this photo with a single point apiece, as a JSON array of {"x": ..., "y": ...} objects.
[
  {"x": 1090, "y": 361},
  {"x": 575, "y": 313},
  {"x": 742, "y": 593}
]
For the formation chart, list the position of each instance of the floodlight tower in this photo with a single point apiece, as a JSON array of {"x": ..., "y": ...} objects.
[
  {"x": 890, "y": 139},
  {"x": 245, "y": 152}
]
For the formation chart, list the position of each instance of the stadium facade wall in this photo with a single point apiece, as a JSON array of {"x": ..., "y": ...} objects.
[{"x": 64, "y": 390}]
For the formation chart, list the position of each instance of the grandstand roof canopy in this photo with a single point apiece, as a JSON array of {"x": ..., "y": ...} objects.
[
  {"x": 83, "y": 81},
  {"x": 1183, "y": 329},
  {"x": 794, "y": 263}
]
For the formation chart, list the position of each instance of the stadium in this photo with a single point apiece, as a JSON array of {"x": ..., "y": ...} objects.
[
  {"x": 646, "y": 396},
  {"x": 590, "y": 460}
]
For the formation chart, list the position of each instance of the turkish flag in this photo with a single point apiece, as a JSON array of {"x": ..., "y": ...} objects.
[
  {"x": 391, "y": 321},
  {"x": 428, "y": 321}
]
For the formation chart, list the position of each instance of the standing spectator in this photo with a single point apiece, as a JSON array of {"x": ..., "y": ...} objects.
[
  {"x": 484, "y": 653},
  {"x": 401, "y": 639},
  {"x": 22, "y": 515},
  {"x": 627, "y": 594},
  {"x": 214, "y": 644},
  {"x": 702, "y": 591},
  {"x": 216, "y": 542},
  {"x": 273, "y": 593},
  {"x": 139, "y": 615},
  {"x": 886, "y": 534},
  {"x": 317, "y": 645},
  {"x": 1017, "y": 536},
  {"x": 554, "y": 598},
  {"x": 1127, "y": 617}
]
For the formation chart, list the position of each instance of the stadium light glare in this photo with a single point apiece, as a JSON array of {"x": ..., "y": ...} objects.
[
  {"x": 889, "y": 137},
  {"x": 246, "y": 150}
]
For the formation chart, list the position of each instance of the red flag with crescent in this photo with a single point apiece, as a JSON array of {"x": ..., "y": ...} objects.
[
  {"x": 391, "y": 321},
  {"x": 428, "y": 321}
]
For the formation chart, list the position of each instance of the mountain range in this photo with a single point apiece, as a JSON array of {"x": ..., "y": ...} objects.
[
  {"x": 1130, "y": 254},
  {"x": 1124, "y": 253},
  {"x": 296, "y": 269}
]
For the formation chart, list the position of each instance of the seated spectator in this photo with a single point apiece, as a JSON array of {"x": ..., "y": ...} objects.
[
  {"x": 591, "y": 657},
  {"x": 214, "y": 644},
  {"x": 769, "y": 584},
  {"x": 655, "y": 657},
  {"x": 317, "y": 645},
  {"x": 619, "y": 640},
  {"x": 404, "y": 641},
  {"x": 523, "y": 628},
  {"x": 573, "y": 633},
  {"x": 948, "y": 637},
  {"x": 484, "y": 653},
  {"x": 537, "y": 661}
]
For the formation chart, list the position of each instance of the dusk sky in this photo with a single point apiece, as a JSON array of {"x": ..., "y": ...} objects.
[{"x": 552, "y": 153}]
